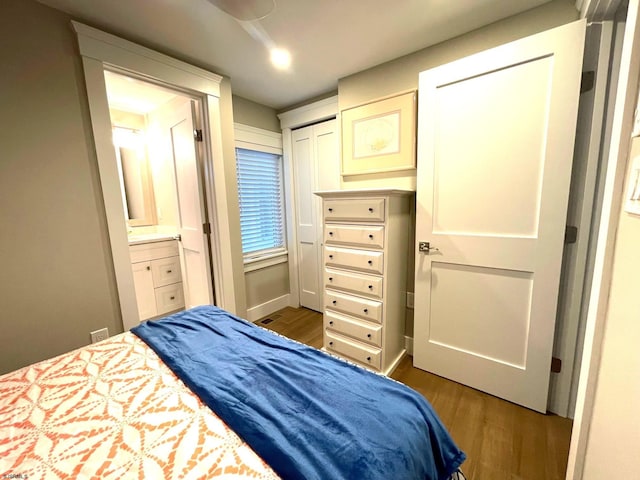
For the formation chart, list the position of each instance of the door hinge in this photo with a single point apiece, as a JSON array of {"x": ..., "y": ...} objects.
[
  {"x": 588, "y": 81},
  {"x": 197, "y": 135},
  {"x": 570, "y": 234},
  {"x": 556, "y": 365},
  {"x": 206, "y": 228}
]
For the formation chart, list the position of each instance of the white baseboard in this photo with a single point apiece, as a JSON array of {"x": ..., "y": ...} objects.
[
  {"x": 259, "y": 311},
  {"x": 408, "y": 345}
]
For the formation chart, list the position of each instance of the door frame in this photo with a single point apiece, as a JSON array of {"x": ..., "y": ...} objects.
[
  {"x": 100, "y": 51},
  {"x": 615, "y": 156},
  {"x": 299, "y": 117},
  {"x": 576, "y": 261}
]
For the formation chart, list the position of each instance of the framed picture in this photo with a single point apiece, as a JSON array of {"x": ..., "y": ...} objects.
[{"x": 379, "y": 136}]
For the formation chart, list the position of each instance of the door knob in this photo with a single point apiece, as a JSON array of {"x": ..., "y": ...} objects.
[{"x": 426, "y": 247}]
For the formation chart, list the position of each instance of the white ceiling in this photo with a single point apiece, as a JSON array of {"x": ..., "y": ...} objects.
[{"x": 328, "y": 39}]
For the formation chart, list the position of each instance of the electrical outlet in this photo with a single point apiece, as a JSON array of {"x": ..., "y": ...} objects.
[
  {"x": 99, "y": 335},
  {"x": 409, "y": 299}
]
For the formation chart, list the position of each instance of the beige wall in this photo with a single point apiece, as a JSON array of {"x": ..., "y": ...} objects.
[
  {"x": 267, "y": 284},
  {"x": 58, "y": 282},
  {"x": 255, "y": 115},
  {"x": 57, "y": 278},
  {"x": 614, "y": 435}
]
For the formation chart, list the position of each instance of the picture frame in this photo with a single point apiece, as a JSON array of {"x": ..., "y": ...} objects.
[{"x": 379, "y": 136}]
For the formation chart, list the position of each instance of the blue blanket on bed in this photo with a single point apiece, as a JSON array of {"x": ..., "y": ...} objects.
[{"x": 307, "y": 414}]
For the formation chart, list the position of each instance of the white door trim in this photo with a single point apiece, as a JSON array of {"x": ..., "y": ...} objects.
[
  {"x": 298, "y": 117},
  {"x": 623, "y": 113},
  {"x": 583, "y": 187},
  {"x": 115, "y": 51},
  {"x": 101, "y": 50}
]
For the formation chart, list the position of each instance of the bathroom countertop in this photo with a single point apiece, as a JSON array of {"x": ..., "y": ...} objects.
[{"x": 150, "y": 238}]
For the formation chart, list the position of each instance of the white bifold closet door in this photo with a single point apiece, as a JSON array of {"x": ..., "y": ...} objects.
[{"x": 316, "y": 167}]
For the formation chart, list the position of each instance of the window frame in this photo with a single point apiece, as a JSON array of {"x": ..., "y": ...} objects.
[{"x": 260, "y": 140}]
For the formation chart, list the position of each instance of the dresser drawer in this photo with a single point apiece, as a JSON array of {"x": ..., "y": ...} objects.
[
  {"x": 352, "y": 327},
  {"x": 364, "y": 236},
  {"x": 355, "y": 209},
  {"x": 365, "y": 260},
  {"x": 169, "y": 298},
  {"x": 354, "y": 282},
  {"x": 166, "y": 271},
  {"x": 360, "y": 307},
  {"x": 366, "y": 355}
]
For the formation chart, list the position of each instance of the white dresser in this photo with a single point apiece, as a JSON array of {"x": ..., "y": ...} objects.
[{"x": 365, "y": 256}]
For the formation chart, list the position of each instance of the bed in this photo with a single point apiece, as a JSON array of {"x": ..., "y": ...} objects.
[{"x": 205, "y": 394}]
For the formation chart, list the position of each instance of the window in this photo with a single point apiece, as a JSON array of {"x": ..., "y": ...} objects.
[{"x": 261, "y": 198}]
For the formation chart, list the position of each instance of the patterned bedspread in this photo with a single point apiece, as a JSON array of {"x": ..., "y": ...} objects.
[{"x": 114, "y": 410}]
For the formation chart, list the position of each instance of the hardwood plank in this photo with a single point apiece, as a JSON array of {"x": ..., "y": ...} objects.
[{"x": 502, "y": 440}]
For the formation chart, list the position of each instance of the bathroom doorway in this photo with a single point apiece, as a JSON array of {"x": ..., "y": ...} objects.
[{"x": 157, "y": 142}]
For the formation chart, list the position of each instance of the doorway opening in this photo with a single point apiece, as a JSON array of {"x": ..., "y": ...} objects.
[{"x": 157, "y": 142}]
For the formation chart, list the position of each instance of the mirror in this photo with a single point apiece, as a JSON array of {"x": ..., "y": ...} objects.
[{"x": 136, "y": 181}]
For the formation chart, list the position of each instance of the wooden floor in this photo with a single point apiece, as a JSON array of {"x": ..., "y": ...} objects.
[{"x": 501, "y": 440}]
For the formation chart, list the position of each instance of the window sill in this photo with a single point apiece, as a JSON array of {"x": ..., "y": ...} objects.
[{"x": 252, "y": 264}]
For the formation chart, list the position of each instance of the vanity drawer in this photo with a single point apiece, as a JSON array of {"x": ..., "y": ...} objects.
[
  {"x": 150, "y": 251},
  {"x": 360, "y": 307},
  {"x": 365, "y": 236},
  {"x": 166, "y": 271},
  {"x": 363, "y": 331},
  {"x": 355, "y": 209},
  {"x": 365, "y": 260},
  {"x": 354, "y": 282},
  {"x": 364, "y": 354},
  {"x": 169, "y": 298}
]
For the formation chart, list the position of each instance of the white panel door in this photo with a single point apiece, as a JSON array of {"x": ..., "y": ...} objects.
[
  {"x": 495, "y": 147},
  {"x": 316, "y": 167},
  {"x": 194, "y": 251},
  {"x": 308, "y": 220},
  {"x": 327, "y": 156}
]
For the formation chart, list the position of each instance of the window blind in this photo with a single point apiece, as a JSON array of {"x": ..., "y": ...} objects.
[{"x": 261, "y": 201}]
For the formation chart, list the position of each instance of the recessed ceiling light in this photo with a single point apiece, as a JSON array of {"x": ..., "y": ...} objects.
[{"x": 280, "y": 58}]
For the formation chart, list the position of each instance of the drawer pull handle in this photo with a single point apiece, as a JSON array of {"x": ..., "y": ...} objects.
[
  {"x": 368, "y": 359},
  {"x": 331, "y": 209},
  {"x": 330, "y": 233},
  {"x": 172, "y": 298},
  {"x": 371, "y": 236},
  {"x": 331, "y": 322},
  {"x": 370, "y": 262},
  {"x": 368, "y": 335},
  {"x": 331, "y": 279},
  {"x": 370, "y": 210},
  {"x": 366, "y": 310},
  {"x": 330, "y": 343},
  {"x": 168, "y": 271},
  {"x": 330, "y": 256},
  {"x": 148, "y": 267},
  {"x": 370, "y": 287},
  {"x": 334, "y": 302}
]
